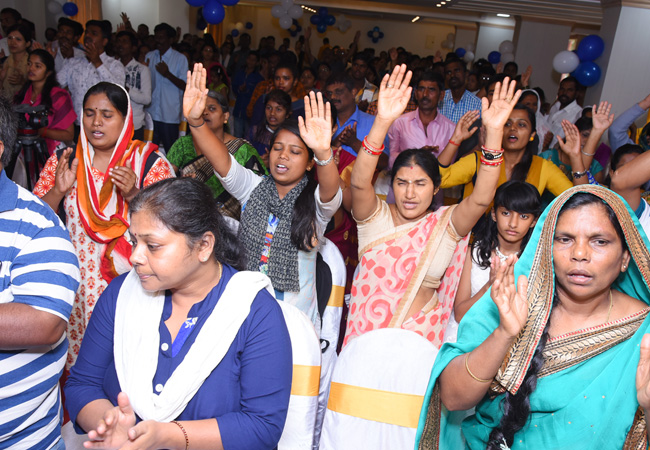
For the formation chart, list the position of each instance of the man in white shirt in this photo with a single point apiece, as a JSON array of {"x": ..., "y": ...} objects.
[
  {"x": 138, "y": 79},
  {"x": 565, "y": 108},
  {"x": 81, "y": 73},
  {"x": 168, "y": 76},
  {"x": 69, "y": 33}
]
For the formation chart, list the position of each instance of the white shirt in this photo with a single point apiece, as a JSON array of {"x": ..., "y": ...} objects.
[
  {"x": 79, "y": 75},
  {"x": 570, "y": 112},
  {"x": 59, "y": 60},
  {"x": 138, "y": 81}
]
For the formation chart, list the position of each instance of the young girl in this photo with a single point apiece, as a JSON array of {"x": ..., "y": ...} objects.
[
  {"x": 505, "y": 231},
  {"x": 284, "y": 215},
  {"x": 277, "y": 109}
]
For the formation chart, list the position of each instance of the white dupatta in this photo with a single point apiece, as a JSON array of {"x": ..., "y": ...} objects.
[{"x": 137, "y": 341}]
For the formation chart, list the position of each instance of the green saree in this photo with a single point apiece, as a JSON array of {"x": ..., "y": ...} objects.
[{"x": 586, "y": 393}]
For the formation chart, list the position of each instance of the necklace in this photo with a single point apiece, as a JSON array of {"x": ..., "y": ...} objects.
[
  {"x": 611, "y": 304},
  {"x": 501, "y": 256}
]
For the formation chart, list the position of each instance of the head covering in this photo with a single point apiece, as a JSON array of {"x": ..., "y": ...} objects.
[
  {"x": 592, "y": 368},
  {"x": 102, "y": 209},
  {"x": 542, "y": 126}
]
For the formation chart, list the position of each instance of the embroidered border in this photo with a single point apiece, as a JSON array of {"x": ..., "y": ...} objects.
[
  {"x": 637, "y": 438},
  {"x": 430, "y": 439}
]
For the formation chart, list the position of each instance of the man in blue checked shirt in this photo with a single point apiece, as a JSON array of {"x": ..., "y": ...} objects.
[
  {"x": 39, "y": 275},
  {"x": 457, "y": 100}
]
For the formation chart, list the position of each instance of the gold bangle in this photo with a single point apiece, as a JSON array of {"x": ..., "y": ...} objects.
[
  {"x": 470, "y": 372},
  {"x": 187, "y": 441}
]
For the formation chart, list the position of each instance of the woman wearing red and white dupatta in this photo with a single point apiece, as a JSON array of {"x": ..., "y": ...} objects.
[
  {"x": 95, "y": 184},
  {"x": 411, "y": 256}
]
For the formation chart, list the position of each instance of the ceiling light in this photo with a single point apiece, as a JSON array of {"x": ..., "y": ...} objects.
[
  {"x": 415, "y": 19},
  {"x": 311, "y": 10},
  {"x": 438, "y": 5},
  {"x": 503, "y": 15}
]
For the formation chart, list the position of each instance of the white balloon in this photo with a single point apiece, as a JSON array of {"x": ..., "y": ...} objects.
[
  {"x": 470, "y": 47},
  {"x": 566, "y": 61},
  {"x": 286, "y": 4},
  {"x": 54, "y": 7},
  {"x": 507, "y": 57},
  {"x": 285, "y": 22},
  {"x": 344, "y": 25},
  {"x": 469, "y": 57},
  {"x": 506, "y": 47},
  {"x": 277, "y": 11},
  {"x": 295, "y": 12},
  {"x": 239, "y": 26}
]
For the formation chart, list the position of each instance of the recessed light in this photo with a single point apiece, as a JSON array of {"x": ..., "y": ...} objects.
[
  {"x": 415, "y": 19},
  {"x": 503, "y": 15},
  {"x": 438, "y": 5}
]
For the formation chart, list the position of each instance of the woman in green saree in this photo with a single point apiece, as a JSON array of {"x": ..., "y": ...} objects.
[{"x": 553, "y": 362}]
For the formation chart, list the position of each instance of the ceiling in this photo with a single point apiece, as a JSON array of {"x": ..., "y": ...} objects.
[{"x": 579, "y": 12}]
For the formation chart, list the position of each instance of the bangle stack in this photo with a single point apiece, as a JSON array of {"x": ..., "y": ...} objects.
[
  {"x": 369, "y": 149},
  {"x": 491, "y": 157},
  {"x": 325, "y": 162}
]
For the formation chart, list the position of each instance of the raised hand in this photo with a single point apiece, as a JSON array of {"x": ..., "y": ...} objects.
[
  {"x": 495, "y": 114},
  {"x": 525, "y": 77},
  {"x": 66, "y": 174},
  {"x": 511, "y": 300},
  {"x": 316, "y": 127},
  {"x": 601, "y": 117},
  {"x": 394, "y": 93},
  {"x": 92, "y": 53},
  {"x": 125, "y": 180},
  {"x": 112, "y": 431},
  {"x": 195, "y": 96},
  {"x": 643, "y": 375},
  {"x": 571, "y": 143},
  {"x": 463, "y": 130}
]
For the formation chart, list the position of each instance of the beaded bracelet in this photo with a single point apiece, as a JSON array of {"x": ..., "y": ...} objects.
[
  {"x": 187, "y": 441},
  {"x": 372, "y": 150}
]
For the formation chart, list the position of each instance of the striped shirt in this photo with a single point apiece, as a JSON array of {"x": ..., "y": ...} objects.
[
  {"x": 38, "y": 267},
  {"x": 454, "y": 111}
]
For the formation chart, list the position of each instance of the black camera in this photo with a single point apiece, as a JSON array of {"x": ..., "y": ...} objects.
[
  {"x": 30, "y": 119},
  {"x": 29, "y": 143}
]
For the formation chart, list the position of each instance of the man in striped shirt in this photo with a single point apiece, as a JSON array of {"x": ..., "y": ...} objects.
[{"x": 39, "y": 275}]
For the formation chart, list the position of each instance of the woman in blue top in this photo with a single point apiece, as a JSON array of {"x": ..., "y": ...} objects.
[{"x": 183, "y": 350}]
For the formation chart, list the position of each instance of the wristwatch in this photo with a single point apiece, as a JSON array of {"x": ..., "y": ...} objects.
[
  {"x": 491, "y": 156},
  {"x": 580, "y": 174}
]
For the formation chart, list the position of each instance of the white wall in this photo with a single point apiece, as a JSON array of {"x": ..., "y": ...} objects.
[
  {"x": 149, "y": 12},
  {"x": 489, "y": 38},
  {"x": 34, "y": 10},
  {"x": 536, "y": 45}
]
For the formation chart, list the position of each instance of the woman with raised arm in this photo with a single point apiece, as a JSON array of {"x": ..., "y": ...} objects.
[
  {"x": 284, "y": 215},
  {"x": 551, "y": 361},
  {"x": 412, "y": 256}
]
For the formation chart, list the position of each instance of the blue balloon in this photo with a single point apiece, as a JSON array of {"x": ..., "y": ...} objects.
[
  {"x": 375, "y": 40},
  {"x": 298, "y": 28},
  {"x": 460, "y": 52},
  {"x": 196, "y": 3},
  {"x": 369, "y": 33},
  {"x": 321, "y": 28},
  {"x": 234, "y": 32},
  {"x": 331, "y": 20},
  {"x": 590, "y": 48},
  {"x": 381, "y": 35},
  {"x": 70, "y": 9},
  {"x": 323, "y": 11},
  {"x": 213, "y": 12},
  {"x": 494, "y": 57},
  {"x": 375, "y": 29},
  {"x": 315, "y": 19},
  {"x": 587, "y": 73},
  {"x": 293, "y": 33},
  {"x": 249, "y": 25},
  {"x": 229, "y": 2}
]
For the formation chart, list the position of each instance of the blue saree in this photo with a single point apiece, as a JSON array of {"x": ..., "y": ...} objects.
[{"x": 586, "y": 392}]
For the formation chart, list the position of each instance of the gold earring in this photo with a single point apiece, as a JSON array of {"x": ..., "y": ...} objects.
[{"x": 532, "y": 138}]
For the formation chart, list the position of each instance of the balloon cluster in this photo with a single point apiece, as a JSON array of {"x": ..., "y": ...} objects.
[
  {"x": 239, "y": 27},
  {"x": 504, "y": 55},
  {"x": 449, "y": 42},
  {"x": 375, "y": 34},
  {"x": 295, "y": 28},
  {"x": 466, "y": 53},
  {"x": 213, "y": 11},
  {"x": 286, "y": 12},
  {"x": 322, "y": 19},
  {"x": 57, "y": 10},
  {"x": 581, "y": 62}
]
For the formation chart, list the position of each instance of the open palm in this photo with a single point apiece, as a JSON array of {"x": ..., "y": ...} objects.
[
  {"x": 195, "y": 95},
  {"x": 316, "y": 128},
  {"x": 510, "y": 299},
  {"x": 495, "y": 114},
  {"x": 394, "y": 93}
]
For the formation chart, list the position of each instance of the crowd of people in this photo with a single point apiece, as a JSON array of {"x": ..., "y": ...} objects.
[{"x": 185, "y": 190}]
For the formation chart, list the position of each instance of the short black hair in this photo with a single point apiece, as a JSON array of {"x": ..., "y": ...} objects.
[
  {"x": 572, "y": 79},
  {"x": 165, "y": 28},
  {"x": 290, "y": 67},
  {"x": 23, "y": 29},
  {"x": 511, "y": 64},
  {"x": 77, "y": 28},
  {"x": 454, "y": 60},
  {"x": 340, "y": 78},
  {"x": 8, "y": 125},
  {"x": 104, "y": 25},
  {"x": 130, "y": 35},
  {"x": 363, "y": 56},
  {"x": 17, "y": 16},
  {"x": 435, "y": 77}
]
